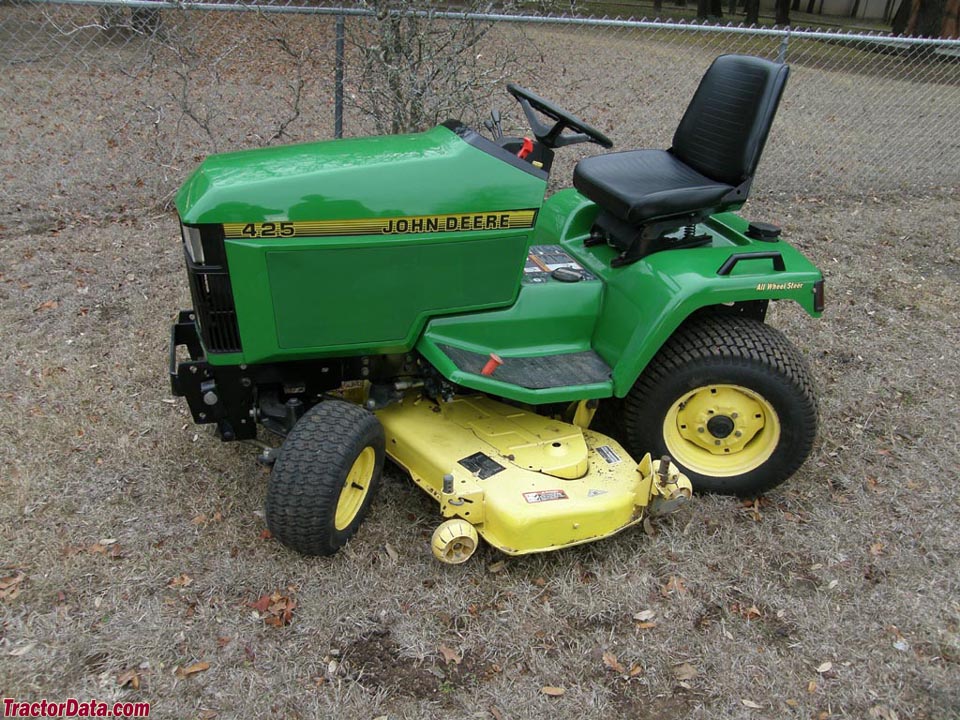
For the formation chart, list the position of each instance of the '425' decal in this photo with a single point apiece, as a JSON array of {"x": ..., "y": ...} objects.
[{"x": 268, "y": 230}]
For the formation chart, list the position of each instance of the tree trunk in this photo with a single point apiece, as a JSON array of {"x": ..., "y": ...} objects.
[
  {"x": 951, "y": 20},
  {"x": 810, "y": 6},
  {"x": 658, "y": 5},
  {"x": 926, "y": 18},
  {"x": 716, "y": 8},
  {"x": 703, "y": 9},
  {"x": 783, "y": 13},
  {"x": 752, "y": 11},
  {"x": 901, "y": 17},
  {"x": 732, "y": 8}
]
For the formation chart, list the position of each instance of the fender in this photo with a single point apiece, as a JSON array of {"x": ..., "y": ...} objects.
[{"x": 644, "y": 303}]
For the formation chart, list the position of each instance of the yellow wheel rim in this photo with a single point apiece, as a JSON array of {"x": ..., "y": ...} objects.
[
  {"x": 355, "y": 488},
  {"x": 721, "y": 430}
]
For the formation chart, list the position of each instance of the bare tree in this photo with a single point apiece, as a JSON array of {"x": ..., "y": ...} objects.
[{"x": 407, "y": 69}]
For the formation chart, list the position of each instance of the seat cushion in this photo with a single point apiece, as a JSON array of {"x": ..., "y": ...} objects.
[{"x": 640, "y": 185}]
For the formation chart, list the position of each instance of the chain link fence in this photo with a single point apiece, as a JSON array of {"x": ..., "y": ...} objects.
[{"x": 107, "y": 105}]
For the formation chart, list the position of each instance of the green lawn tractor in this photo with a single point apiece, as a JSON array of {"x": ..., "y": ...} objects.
[{"x": 416, "y": 297}]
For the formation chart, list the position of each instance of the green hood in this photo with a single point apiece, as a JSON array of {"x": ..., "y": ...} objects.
[{"x": 434, "y": 172}]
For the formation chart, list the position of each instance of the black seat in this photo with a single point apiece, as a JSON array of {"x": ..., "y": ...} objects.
[{"x": 646, "y": 195}]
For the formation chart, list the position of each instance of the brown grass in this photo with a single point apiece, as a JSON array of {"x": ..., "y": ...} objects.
[{"x": 855, "y": 561}]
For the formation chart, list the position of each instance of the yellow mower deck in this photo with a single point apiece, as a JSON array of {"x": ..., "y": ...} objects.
[{"x": 526, "y": 482}]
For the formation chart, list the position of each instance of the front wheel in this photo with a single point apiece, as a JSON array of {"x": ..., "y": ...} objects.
[
  {"x": 325, "y": 478},
  {"x": 730, "y": 400}
]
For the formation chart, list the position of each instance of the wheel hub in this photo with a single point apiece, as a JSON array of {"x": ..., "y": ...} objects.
[{"x": 720, "y": 426}]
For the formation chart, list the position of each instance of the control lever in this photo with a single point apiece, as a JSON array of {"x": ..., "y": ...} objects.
[
  {"x": 488, "y": 124},
  {"x": 495, "y": 116}
]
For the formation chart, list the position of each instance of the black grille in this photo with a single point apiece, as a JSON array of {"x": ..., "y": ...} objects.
[{"x": 213, "y": 297}]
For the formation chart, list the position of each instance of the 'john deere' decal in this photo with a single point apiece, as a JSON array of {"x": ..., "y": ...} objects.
[{"x": 411, "y": 224}]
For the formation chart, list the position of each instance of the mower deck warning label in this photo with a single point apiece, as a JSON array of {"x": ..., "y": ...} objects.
[{"x": 540, "y": 496}]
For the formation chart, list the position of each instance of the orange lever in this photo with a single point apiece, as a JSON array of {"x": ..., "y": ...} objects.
[
  {"x": 526, "y": 149},
  {"x": 492, "y": 364}
]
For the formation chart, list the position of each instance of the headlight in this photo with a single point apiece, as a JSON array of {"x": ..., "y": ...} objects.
[{"x": 191, "y": 239}]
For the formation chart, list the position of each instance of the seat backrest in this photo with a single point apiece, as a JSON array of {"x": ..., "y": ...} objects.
[{"x": 723, "y": 131}]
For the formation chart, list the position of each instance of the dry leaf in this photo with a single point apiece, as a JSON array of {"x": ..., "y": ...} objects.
[
  {"x": 496, "y": 567},
  {"x": 131, "y": 677},
  {"x": 646, "y": 625},
  {"x": 274, "y": 609},
  {"x": 644, "y": 615},
  {"x": 751, "y": 704},
  {"x": 876, "y": 548},
  {"x": 812, "y": 686},
  {"x": 495, "y": 712},
  {"x": 262, "y": 604},
  {"x": 611, "y": 661},
  {"x": 825, "y": 667},
  {"x": 10, "y": 586},
  {"x": 635, "y": 670},
  {"x": 450, "y": 655},
  {"x": 674, "y": 584},
  {"x": 392, "y": 552},
  {"x": 47, "y": 305},
  {"x": 181, "y": 580},
  {"x": 552, "y": 691},
  {"x": 22, "y": 650},
  {"x": 197, "y": 667},
  {"x": 684, "y": 671}
]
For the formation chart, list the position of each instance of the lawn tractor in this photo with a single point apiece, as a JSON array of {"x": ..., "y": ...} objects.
[{"x": 550, "y": 371}]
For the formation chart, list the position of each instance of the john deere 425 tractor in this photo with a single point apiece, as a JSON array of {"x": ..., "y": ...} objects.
[{"x": 416, "y": 297}]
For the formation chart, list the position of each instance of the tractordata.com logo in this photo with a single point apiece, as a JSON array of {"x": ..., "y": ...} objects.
[{"x": 74, "y": 708}]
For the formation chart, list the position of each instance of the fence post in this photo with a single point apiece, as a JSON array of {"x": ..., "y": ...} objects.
[
  {"x": 782, "y": 50},
  {"x": 338, "y": 81}
]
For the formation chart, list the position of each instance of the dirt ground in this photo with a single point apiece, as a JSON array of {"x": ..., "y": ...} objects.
[{"x": 134, "y": 560}]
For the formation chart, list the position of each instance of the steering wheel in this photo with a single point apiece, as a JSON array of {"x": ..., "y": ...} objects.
[{"x": 553, "y": 137}]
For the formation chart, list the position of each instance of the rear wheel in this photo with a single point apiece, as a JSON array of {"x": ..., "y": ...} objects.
[
  {"x": 325, "y": 478},
  {"x": 730, "y": 400}
]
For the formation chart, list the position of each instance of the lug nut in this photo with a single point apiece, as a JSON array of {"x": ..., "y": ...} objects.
[
  {"x": 738, "y": 433},
  {"x": 700, "y": 429}
]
